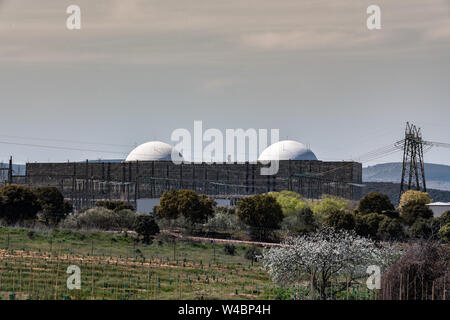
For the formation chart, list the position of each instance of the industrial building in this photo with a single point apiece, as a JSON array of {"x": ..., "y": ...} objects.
[{"x": 148, "y": 171}]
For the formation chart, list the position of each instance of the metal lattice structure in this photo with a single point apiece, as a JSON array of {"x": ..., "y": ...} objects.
[{"x": 413, "y": 171}]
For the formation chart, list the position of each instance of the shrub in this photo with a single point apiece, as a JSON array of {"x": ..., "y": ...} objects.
[
  {"x": 421, "y": 228},
  {"x": 229, "y": 249},
  {"x": 223, "y": 221},
  {"x": 96, "y": 218},
  {"x": 168, "y": 205},
  {"x": 114, "y": 205},
  {"x": 412, "y": 211},
  {"x": 101, "y": 218},
  {"x": 340, "y": 219},
  {"x": 300, "y": 222},
  {"x": 414, "y": 197},
  {"x": 444, "y": 218},
  {"x": 327, "y": 205},
  {"x": 195, "y": 208},
  {"x": 262, "y": 213},
  {"x": 19, "y": 204},
  {"x": 291, "y": 203},
  {"x": 253, "y": 253},
  {"x": 390, "y": 229},
  {"x": 53, "y": 206},
  {"x": 146, "y": 227},
  {"x": 368, "y": 224},
  {"x": 444, "y": 232},
  {"x": 419, "y": 274},
  {"x": 375, "y": 202},
  {"x": 125, "y": 219}
]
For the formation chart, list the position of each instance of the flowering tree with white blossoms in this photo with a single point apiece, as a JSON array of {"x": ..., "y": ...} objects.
[{"x": 325, "y": 255}]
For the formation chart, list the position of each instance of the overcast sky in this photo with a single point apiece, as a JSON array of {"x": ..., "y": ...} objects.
[{"x": 138, "y": 69}]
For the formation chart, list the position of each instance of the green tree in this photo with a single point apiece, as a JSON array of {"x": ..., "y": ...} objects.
[
  {"x": 146, "y": 227},
  {"x": 53, "y": 206},
  {"x": 421, "y": 228},
  {"x": 375, "y": 202},
  {"x": 168, "y": 205},
  {"x": 19, "y": 203},
  {"x": 340, "y": 219},
  {"x": 300, "y": 222},
  {"x": 262, "y": 213},
  {"x": 389, "y": 229},
  {"x": 414, "y": 196},
  {"x": 327, "y": 205},
  {"x": 195, "y": 208},
  {"x": 410, "y": 212},
  {"x": 444, "y": 232},
  {"x": 291, "y": 202},
  {"x": 444, "y": 218},
  {"x": 370, "y": 223}
]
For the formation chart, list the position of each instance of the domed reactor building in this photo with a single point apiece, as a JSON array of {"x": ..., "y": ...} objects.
[{"x": 148, "y": 171}]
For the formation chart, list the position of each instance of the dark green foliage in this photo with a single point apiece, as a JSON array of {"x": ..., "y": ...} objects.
[
  {"x": 168, "y": 205},
  {"x": 53, "y": 206},
  {"x": 444, "y": 218},
  {"x": 391, "y": 189},
  {"x": 368, "y": 224},
  {"x": 262, "y": 213},
  {"x": 195, "y": 208},
  {"x": 375, "y": 202},
  {"x": 421, "y": 229},
  {"x": 444, "y": 232},
  {"x": 412, "y": 211},
  {"x": 114, "y": 205},
  {"x": 19, "y": 203},
  {"x": 230, "y": 249},
  {"x": 146, "y": 227},
  {"x": 379, "y": 226},
  {"x": 300, "y": 222},
  {"x": 390, "y": 229},
  {"x": 253, "y": 253},
  {"x": 340, "y": 219}
]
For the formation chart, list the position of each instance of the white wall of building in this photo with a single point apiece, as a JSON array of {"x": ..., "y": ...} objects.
[{"x": 438, "y": 208}]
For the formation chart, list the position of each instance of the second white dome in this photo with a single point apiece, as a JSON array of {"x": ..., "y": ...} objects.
[
  {"x": 287, "y": 150},
  {"x": 152, "y": 151}
]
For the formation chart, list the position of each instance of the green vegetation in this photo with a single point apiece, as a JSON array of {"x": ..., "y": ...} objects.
[
  {"x": 146, "y": 227},
  {"x": 114, "y": 205},
  {"x": 375, "y": 203},
  {"x": 33, "y": 265},
  {"x": 262, "y": 213},
  {"x": 195, "y": 208},
  {"x": 19, "y": 203}
]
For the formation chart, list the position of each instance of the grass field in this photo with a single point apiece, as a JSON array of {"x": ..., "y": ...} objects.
[{"x": 33, "y": 265}]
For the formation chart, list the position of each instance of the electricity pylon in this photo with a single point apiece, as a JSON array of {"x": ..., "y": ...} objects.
[{"x": 413, "y": 171}]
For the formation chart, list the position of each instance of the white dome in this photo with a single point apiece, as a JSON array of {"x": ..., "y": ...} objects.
[
  {"x": 152, "y": 151},
  {"x": 287, "y": 150}
]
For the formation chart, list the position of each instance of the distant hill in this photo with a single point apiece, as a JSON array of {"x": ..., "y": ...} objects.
[{"x": 437, "y": 175}]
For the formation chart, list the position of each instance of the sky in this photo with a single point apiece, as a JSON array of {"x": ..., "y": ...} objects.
[{"x": 139, "y": 69}]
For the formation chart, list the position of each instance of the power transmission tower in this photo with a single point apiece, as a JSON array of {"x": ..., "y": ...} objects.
[{"x": 413, "y": 171}]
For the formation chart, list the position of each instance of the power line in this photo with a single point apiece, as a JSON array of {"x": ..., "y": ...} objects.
[{"x": 60, "y": 148}]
